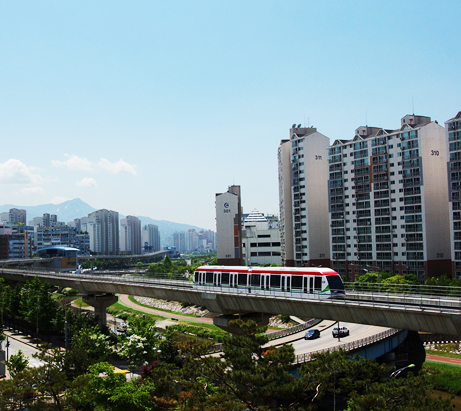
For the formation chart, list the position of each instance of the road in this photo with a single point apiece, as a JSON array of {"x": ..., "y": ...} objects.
[
  {"x": 25, "y": 347},
  {"x": 326, "y": 340}
]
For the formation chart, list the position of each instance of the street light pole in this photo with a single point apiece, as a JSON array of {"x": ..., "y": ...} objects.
[
  {"x": 396, "y": 373},
  {"x": 37, "y": 316}
]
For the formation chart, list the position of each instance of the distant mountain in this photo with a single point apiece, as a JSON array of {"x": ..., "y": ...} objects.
[
  {"x": 66, "y": 211},
  {"x": 76, "y": 208}
]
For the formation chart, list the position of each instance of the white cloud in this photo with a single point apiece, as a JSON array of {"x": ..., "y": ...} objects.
[
  {"x": 59, "y": 200},
  {"x": 32, "y": 190},
  {"x": 74, "y": 162},
  {"x": 16, "y": 172},
  {"x": 87, "y": 182},
  {"x": 120, "y": 167}
]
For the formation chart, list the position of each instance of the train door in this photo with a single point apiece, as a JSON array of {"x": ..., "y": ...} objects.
[
  {"x": 286, "y": 283},
  {"x": 233, "y": 280},
  {"x": 217, "y": 279},
  {"x": 305, "y": 284},
  {"x": 311, "y": 285},
  {"x": 265, "y": 281}
]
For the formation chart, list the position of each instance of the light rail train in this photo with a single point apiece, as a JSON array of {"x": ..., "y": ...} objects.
[{"x": 315, "y": 282}]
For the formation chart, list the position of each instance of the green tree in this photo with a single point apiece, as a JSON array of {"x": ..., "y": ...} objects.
[
  {"x": 94, "y": 343},
  {"x": 398, "y": 394},
  {"x": 167, "y": 264},
  {"x": 102, "y": 389},
  {"x": 139, "y": 266},
  {"x": 17, "y": 362},
  {"x": 247, "y": 375}
]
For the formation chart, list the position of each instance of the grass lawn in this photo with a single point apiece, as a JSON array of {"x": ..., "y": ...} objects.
[
  {"x": 125, "y": 309},
  {"x": 447, "y": 377}
]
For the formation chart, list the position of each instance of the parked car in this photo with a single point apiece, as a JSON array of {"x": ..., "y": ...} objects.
[
  {"x": 312, "y": 334},
  {"x": 340, "y": 332}
]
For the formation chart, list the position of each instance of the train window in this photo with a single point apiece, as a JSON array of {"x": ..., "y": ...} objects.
[
  {"x": 318, "y": 283},
  {"x": 209, "y": 278},
  {"x": 275, "y": 281},
  {"x": 296, "y": 281},
  {"x": 196, "y": 276},
  {"x": 335, "y": 282},
  {"x": 255, "y": 280},
  {"x": 242, "y": 279},
  {"x": 225, "y": 278}
]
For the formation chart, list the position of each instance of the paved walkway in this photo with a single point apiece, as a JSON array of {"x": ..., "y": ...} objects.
[
  {"x": 446, "y": 360},
  {"x": 123, "y": 299}
]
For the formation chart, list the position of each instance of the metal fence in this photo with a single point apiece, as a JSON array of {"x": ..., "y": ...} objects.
[
  {"x": 278, "y": 334},
  {"x": 350, "y": 346},
  {"x": 401, "y": 296}
]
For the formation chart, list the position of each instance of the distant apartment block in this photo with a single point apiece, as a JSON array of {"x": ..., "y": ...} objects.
[
  {"x": 14, "y": 242},
  {"x": 261, "y": 240},
  {"x": 76, "y": 224},
  {"x": 61, "y": 236},
  {"x": 303, "y": 198},
  {"x": 453, "y": 137},
  {"x": 387, "y": 200},
  {"x": 130, "y": 235},
  {"x": 150, "y": 238},
  {"x": 103, "y": 229},
  {"x": 229, "y": 227},
  {"x": 179, "y": 241}
]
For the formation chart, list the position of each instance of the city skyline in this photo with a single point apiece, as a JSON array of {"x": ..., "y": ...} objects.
[{"x": 152, "y": 109}]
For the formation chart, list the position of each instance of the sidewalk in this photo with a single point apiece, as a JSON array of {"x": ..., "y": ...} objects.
[{"x": 446, "y": 360}]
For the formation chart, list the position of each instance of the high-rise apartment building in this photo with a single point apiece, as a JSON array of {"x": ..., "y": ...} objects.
[
  {"x": 453, "y": 136},
  {"x": 303, "y": 195},
  {"x": 179, "y": 241},
  {"x": 388, "y": 200},
  {"x": 103, "y": 228},
  {"x": 191, "y": 240},
  {"x": 150, "y": 237},
  {"x": 130, "y": 235},
  {"x": 229, "y": 227},
  {"x": 16, "y": 216}
]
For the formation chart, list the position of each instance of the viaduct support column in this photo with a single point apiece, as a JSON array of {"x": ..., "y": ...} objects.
[
  {"x": 223, "y": 321},
  {"x": 100, "y": 303}
]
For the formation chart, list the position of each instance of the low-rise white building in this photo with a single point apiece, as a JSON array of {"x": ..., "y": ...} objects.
[{"x": 261, "y": 239}]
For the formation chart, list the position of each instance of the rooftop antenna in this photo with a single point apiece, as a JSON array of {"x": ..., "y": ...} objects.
[
  {"x": 366, "y": 119},
  {"x": 413, "y": 105}
]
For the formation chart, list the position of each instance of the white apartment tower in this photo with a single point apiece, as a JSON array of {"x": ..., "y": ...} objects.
[
  {"x": 303, "y": 194},
  {"x": 150, "y": 238},
  {"x": 102, "y": 226},
  {"x": 388, "y": 200},
  {"x": 229, "y": 227},
  {"x": 453, "y": 136},
  {"x": 130, "y": 235}
]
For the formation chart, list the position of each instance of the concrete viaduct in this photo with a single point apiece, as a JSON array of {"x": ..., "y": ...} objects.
[{"x": 440, "y": 315}]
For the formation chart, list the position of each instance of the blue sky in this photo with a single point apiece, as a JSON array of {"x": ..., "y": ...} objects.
[{"x": 151, "y": 108}]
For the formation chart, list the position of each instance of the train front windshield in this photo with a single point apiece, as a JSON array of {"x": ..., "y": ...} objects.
[{"x": 336, "y": 284}]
